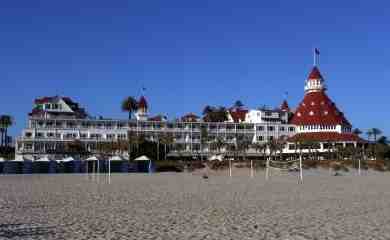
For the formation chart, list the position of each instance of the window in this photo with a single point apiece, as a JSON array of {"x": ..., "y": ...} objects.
[
  {"x": 110, "y": 136},
  {"x": 28, "y": 134},
  {"x": 50, "y": 135},
  {"x": 260, "y": 128},
  {"x": 271, "y": 128},
  {"x": 47, "y": 106},
  {"x": 260, "y": 138},
  {"x": 291, "y": 129},
  {"x": 270, "y": 138},
  {"x": 28, "y": 146},
  {"x": 282, "y": 129}
]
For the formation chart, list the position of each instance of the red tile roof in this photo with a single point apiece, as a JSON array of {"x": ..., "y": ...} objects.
[
  {"x": 238, "y": 114},
  {"x": 325, "y": 137},
  {"x": 315, "y": 74},
  {"x": 158, "y": 118},
  {"x": 284, "y": 106},
  {"x": 317, "y": 109},
  {"x": 190, "y": 117},
  {"x": 142, "y": 103}
]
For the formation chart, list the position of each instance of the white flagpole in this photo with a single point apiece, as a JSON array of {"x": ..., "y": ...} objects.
[
  {"x": 267, "y": 169},
  {"x": 251, "y": 168},
  {"x": 300, "y": 169},
  {"x": 230, "y": 168},
  {"x": 109, "y": 171}
]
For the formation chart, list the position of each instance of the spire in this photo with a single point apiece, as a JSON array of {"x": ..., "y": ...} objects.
[
  {"x": 284, "y": 106},
  {"x": 315, "y": 81}
]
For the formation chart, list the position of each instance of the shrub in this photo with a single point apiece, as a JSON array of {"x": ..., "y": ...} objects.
[{"x": 307, "y": 164}]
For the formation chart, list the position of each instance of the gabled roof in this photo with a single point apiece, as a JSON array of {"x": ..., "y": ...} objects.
[
  {"x": 317, "y": 108},
  {"x": 190, "y": 117},
  {"x": 238, "y": 114},
  {"x": 326, "y": 137}
]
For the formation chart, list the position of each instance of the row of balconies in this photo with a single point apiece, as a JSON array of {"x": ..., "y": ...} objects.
[{"x": 82, "y": 124}]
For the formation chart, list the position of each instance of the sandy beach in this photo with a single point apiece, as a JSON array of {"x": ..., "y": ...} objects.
[{"x": 186, "y": 206}]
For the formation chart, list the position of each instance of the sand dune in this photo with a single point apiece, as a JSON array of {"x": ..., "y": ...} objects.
[{"x": 185, "y": 206}]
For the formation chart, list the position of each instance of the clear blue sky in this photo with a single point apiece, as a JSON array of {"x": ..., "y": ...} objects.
[{"x": 192, "y": 53}]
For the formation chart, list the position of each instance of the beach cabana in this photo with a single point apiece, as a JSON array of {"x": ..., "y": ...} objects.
[
  {"x": 1, "y": 165},
  {"x": 92, "y": 164},
  {"x": 13, "y": 166},
  {"x": 114, "y": 164},
  {"x": 27, "y": 166},
  {"x": 41, "y": 165},
  {"x": 66, "y": 164},
  {"x": 144, "y": 164}
]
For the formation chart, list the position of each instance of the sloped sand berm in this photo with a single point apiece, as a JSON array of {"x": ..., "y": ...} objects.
[{"x": 186, "y": 206}]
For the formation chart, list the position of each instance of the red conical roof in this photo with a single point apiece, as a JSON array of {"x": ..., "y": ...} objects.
[
  {"x": 318, "y": 109},
  {"x": 142, "y": 103},
  {"x": 284, "y": 106},
  {"x": 315, "y": 73}
]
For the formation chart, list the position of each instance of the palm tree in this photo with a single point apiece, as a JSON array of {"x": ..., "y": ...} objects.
[
  {"x": 357, "y": 131},
  {"x": 208, "y": 109},
  {"x": 6, "y": 121},
  {"x": 204, "y": 136},
  {"x": 369, "y": 134},
  {"x": 132, "y": 139},
  {"x": 238, "y": 104},
  {"x": 129, "y": 105},
  {"x": 167, "y": 140},
  {"x": 376, "y": 132}
]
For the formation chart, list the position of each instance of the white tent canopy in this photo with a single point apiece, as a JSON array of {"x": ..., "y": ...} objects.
[
  {"x": 116, "y": 158},
  {"x": 142, "y": 158},
  {"x": 218, "y": 157},
  {"x": 43, "y": 159},
  {"x": 18, "y": 159},
  {"x": 68, "y": 159},
  {"x": 93, "y": 158}
]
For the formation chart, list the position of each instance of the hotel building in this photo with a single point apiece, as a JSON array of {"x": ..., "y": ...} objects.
[{"x": 54, "y": 121}]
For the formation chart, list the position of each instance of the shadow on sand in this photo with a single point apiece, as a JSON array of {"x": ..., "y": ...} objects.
[{"x": 9, "y": 231}]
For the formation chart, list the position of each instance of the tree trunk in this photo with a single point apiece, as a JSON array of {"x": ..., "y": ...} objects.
[
  {"x": 165, "y": 152},
  {"x": 6, "y": 137},
  {"x": 158, "y": 150}
]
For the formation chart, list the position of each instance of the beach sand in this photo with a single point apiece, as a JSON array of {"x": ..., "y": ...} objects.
[{"x": 186, "y": 206}]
